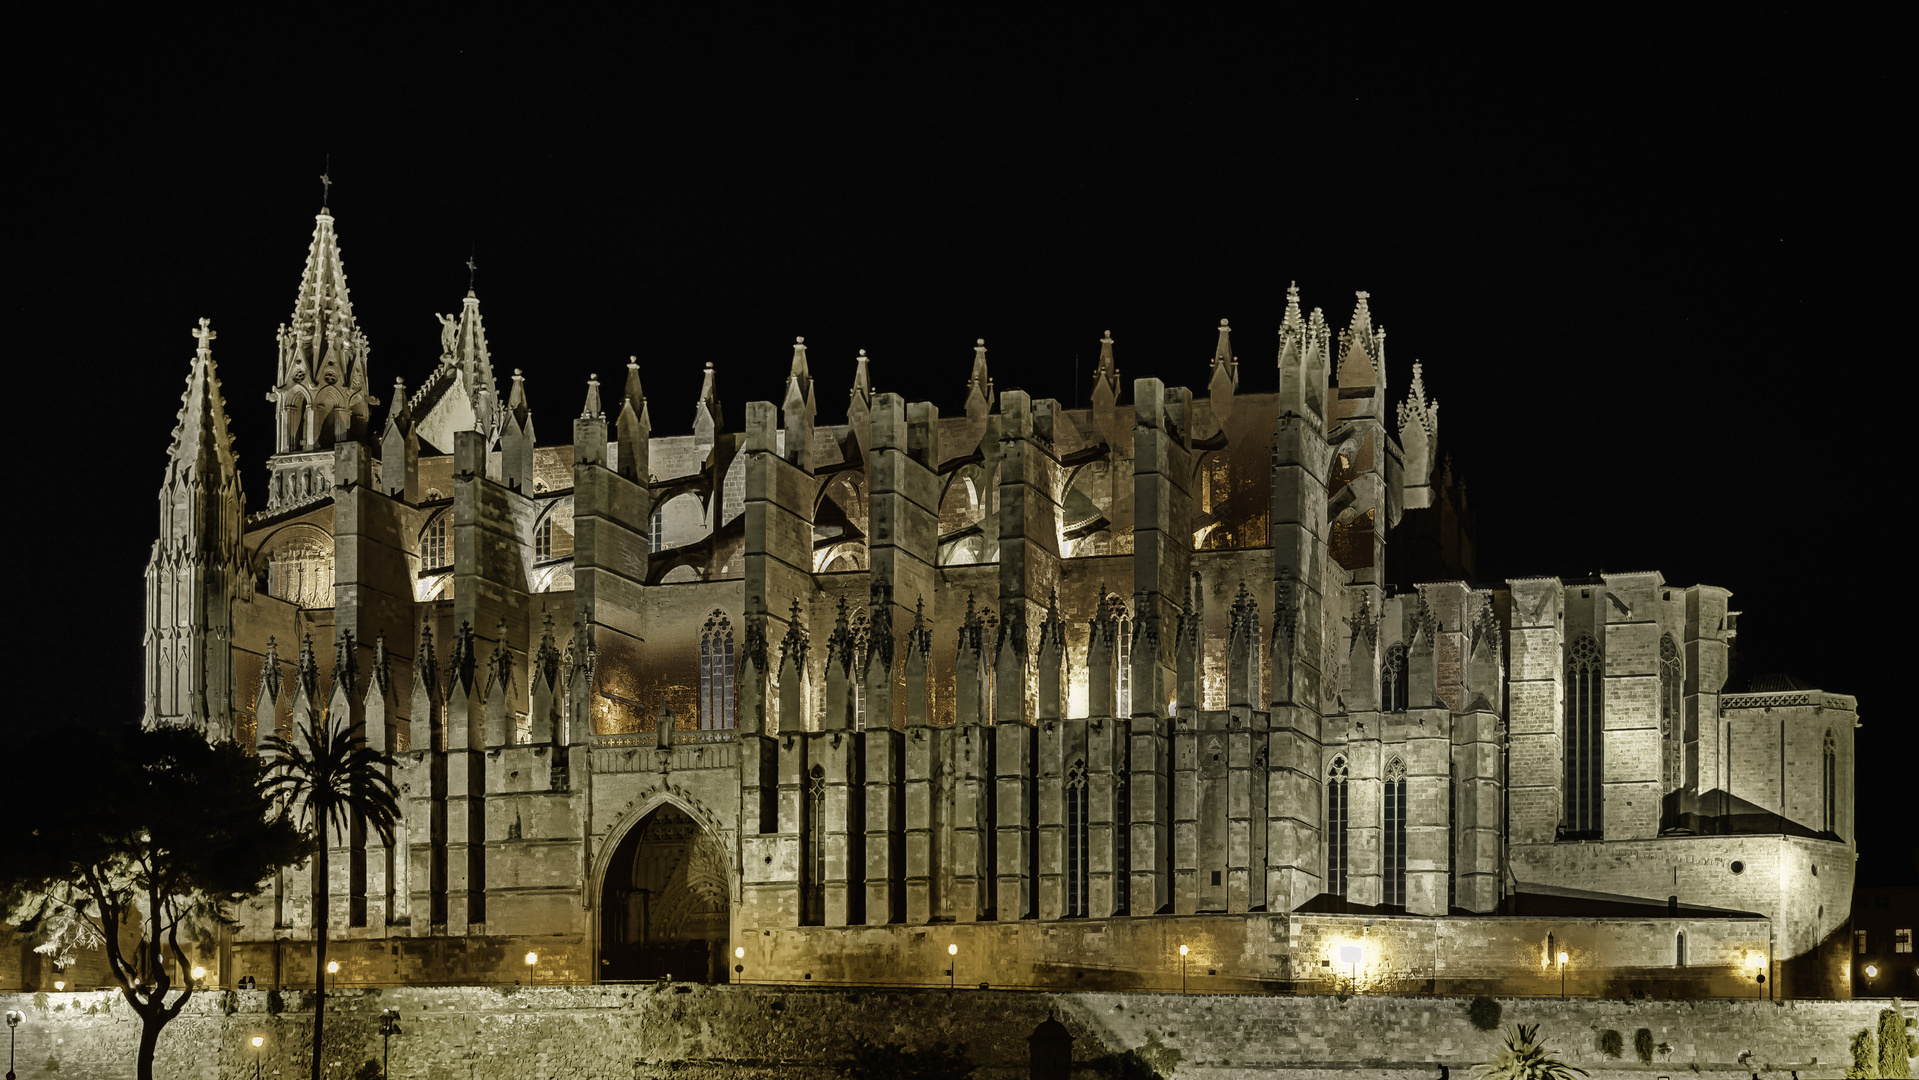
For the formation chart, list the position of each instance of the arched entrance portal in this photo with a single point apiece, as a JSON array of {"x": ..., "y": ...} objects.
[{"x": 663, "y": 908}]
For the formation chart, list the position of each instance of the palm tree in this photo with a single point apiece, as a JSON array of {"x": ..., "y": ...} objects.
[
  {"x": 331, "y": 776},
  {"x": 1524, "y": 1057}
]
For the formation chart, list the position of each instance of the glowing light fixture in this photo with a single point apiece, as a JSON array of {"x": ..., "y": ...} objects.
[
  {"x": 952, "y": 967},
  {"x": 1350, "y": 954},
  {"x": 739, "y": 953},
  {"x": 332, "y": 967},
  {"x": 532, "y": 958},
  {"x": 259, "y": 1041},
  {"x": 199, "y": 972},
  {"x": 59, "y": 984},
  {"x": 1872, "y": 972},
  {"x": 952, "y": 950}
]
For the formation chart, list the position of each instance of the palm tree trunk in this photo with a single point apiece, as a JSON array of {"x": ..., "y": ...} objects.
[{"x": 319, "y": 952}]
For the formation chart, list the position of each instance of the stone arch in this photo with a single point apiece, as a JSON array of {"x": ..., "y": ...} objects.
[{"x": 663, "y": 890}]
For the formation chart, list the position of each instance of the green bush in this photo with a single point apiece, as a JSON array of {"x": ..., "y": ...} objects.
[
  {"x": 1484, "y": 1013},
  {"x": 1865, "y": 1057},
  {"x": 1642, "y": 1044},
  {"x": 1895, "y": 1051},
  {"x": 1610, "y": 1044}
]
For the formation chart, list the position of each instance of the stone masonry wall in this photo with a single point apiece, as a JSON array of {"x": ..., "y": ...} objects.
[{"x": 694, "y": 1033}]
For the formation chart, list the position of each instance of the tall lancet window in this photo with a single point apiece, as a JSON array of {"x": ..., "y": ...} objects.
[
  {"x": 433, "y": 550},
  {"x": 813, "y": 887},
  {"x": 716, "y": 673},
  {"x": 543, "y": 539},
  {"x": 1585, "y": 739},
  {"x": 1394, "y": 821},
  {"x": 1829, "y": 786},
  {"x": 1453, "y": 846},
  {"x": 1671, "y": 728},
  {"x": 656, "y": 529},
  {"x": 1392, "y": 680},
  {"x": 1078, "y": 840},
  {"x": 1336, "y": 821},
  {"x": 1123, "y": 667}
]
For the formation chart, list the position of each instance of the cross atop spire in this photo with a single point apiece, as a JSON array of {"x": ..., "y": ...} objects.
[
  {"x": 326, "y": 186},
  {"x": 204, "y": 334}
]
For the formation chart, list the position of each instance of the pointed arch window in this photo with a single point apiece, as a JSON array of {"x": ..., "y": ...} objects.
[
  {"x": 1078, "y": 841},
  {"x": 1671, "y": 729},
  {"x": 1584, "y": 740},
  {"x": 1679, "y": 950},
  {"x": 1393, "y": 806},
  {"x": 433, "y": 549},
  {"x": 1393, "y": 680},
  {"x": 1829, "y": 785},
  {"x": 1336, "y": 821},
  {"x": 716, "y": 672},
  {"x": 813, "y": 888},
  {"x": 543, "y": 539},
  {"x": 656, "y": 529}
]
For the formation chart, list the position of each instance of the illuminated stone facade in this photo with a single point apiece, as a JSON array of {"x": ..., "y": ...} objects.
[{"x": 1063, "y": 687}]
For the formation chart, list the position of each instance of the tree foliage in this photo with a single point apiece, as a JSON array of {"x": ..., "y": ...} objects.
[
  {"x": 1611, "y": 1043},
  {"x": 127, "y": 841},
  {"x": 329, "y": 777},
  {"x": 1484, "y": 1013},
  {"x": 1642, "y": 1044},
  {"x": 1865, "y": 1057},
  {"x": 1525, "y": 1057},
  {"x": 1895, "y": 1049}
]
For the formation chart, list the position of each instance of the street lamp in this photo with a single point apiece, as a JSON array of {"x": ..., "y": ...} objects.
[
  {"x": 1182, "y": 969},
  {"x": 333, "y": 969},
  {"x": 1350, "y": 956},
  {"x": 739, "y": 954},
  {"x": 258, "y": 1042},
  {"x": 1872, "y": 972},
  {"x": 1562, "y": 975},
  {"x": 198, "y": 974},
  {"x": 952, "y": 970},
  {"x": 13, "y": 1021},
  {"x": 1758, "y": 965},
  {"x": 532, "y": 972},
  {"x": 389, "y": 1027}
]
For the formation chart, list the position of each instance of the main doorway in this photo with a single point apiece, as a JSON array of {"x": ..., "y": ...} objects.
[{"x": 663, "y": 907}]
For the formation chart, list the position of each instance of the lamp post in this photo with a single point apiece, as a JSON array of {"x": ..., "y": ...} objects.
[
  {"x": 333, "y": 969},
  {"x": 258, "y": 1042},
  {"x": 1872, "y": 972},
  {"x": 1182, "y": 969},
  {"x": 1758, "y": 965},
  {"x": 389, "y": 1027},
  {"x": 1350, "y": 956},
  {"x": 952, "y": 966},
  {"x": 532, "y": 972},
  {"x": 199, "y": 973},
  {"x": 739, "y": 955},
  {"x": 1562, "y": 975},
  {"x": 13, "y": 1021}
]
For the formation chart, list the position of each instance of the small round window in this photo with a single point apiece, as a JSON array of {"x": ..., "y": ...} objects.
[{"x": 1738, "y": 867}]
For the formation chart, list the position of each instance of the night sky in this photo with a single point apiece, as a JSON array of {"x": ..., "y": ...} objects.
[{"x": 1650, "y": 270}]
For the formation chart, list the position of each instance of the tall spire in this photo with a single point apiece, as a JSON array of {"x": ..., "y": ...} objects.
[
  {"x": 634, "y": 427},
  {"x": 1106, "y": 375},
  {"x": 862, "y": 393},
  {"x": 979, "y": 385},
  {"x": 323, "y": 354},
  {"x": 195, "y": 572},
  {"x": 1225, "y": 378}
]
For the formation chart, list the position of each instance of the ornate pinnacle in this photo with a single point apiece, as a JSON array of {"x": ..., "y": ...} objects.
[{"x": 270, "y": 669}]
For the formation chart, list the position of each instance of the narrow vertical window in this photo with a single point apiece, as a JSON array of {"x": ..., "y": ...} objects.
[
  {"x": 1393, "y": 680},
  {"x": 1336, "y": 827},
  {"x": 1394, "y": 807},
  {"x": 716, "y": 672},
  {"x": 656, "y": 529},
  {"x": 1670, "y": 706},
  {"x": 433, "y": 550},
  {"x": 543, "y": 540},
  {"x": 1584, "y": 740},
  {"x": 1453, "y": 846},
  {"x": 1078, "y": 837},
  {"x": 1829, "y": 786},
  {"x": 813, "y": 889},
  {"x": 1679, "y": 950},
  {"x": 1123, "y": 667}
]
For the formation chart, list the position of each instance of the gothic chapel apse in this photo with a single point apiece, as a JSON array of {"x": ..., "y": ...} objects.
[{"x": 1055, "y": 685}]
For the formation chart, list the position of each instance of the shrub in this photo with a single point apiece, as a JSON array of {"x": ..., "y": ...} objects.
[
  {"x": 276, "y": 1003},
  {"x": 1484, "y": 1013},
  {"x": 1895, "y": 1051},
  {"x": 1524, "y": 1057},
  {"x": 1642, "y": 1044},
  {"x": 1610, "y": 1044},
  {"x": 1865, "y": 1057}
]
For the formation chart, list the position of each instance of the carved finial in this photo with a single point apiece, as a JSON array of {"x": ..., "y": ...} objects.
[
  {"x": 204, "y": 334},
  {"x": 592, "y": 410}
]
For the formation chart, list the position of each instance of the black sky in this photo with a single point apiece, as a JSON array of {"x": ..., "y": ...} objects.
[{"x": 1651, "y": 270}]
